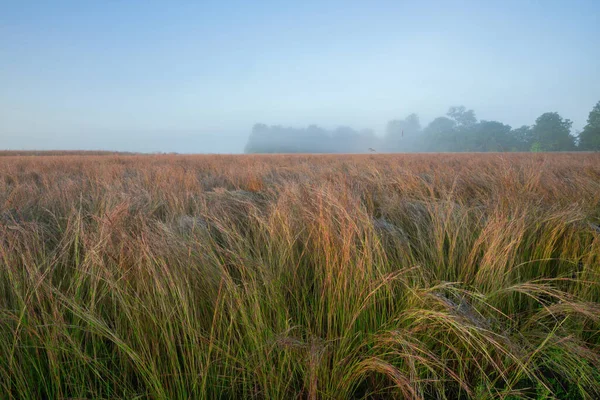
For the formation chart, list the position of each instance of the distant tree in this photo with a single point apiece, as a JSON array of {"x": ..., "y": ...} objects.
[
  {"x": 589, "y": 138},
  {"x": 258, "y": 138},
  {"x": 462, "y": 116},
  {"x": 553, "y": 133},
  {"x": 463, "y": 136},
  {"x": 458, "y": 131},
  {"x": 313, "y": 139},
  {"x": 344, "y": 139},
  {"x": 521, "y": 138},
  {"x": 490, "y": 136},
  {"x": 440, "y": 135},
  {"x": 348, "y": 140},
  {"x": 440, "y": 126},
  {"x": 401, "y": 134},
  {"x": 367, "y": 139}
]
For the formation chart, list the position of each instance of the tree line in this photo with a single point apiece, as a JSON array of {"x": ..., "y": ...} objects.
[{"x": 457, "y": 131}]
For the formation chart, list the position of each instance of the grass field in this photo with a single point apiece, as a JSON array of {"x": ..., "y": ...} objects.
[{"x": 300, "y": 277}]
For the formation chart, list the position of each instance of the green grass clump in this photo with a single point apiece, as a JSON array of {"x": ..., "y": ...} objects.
[{"x": 309, "y": 277}]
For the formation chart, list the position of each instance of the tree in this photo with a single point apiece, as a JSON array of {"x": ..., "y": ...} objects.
[
  {"x": 401, "y": 134},
  {"x": 258, "y": 138},
  {"x": 553, "y": 133},
  {"x": 439, "y": 135},
  {"x": 348, "y": 140},
  {"x": 490, "y": 136},
  {"x": 462, "y": 116},
  {"x": 522, "y": 138},
  {"x": 439, "y": 126},
  {"x": 313, "y": 139},
  {"x": 589, "y": 138},
  {"x": 464, "y": 133}
]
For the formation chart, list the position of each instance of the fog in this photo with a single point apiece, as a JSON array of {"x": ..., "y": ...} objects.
[
  {"x": 216, "y": 77},
  {"x": 457, "y": 131}
]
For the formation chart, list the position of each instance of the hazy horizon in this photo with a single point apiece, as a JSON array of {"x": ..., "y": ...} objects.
[{"x": 195, "y": 78}]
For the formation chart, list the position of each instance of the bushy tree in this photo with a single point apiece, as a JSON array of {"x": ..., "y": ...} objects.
[
  {"x": 589, "y": 138},
  {"x": 490, "y": 136},
  {"x": 553, "y": 133},
  {"x": 465, "y": 130},
  {"x": 522, "y": 138},
  {"x": 440, "y": 135},
  {"x": 462, "y": 116}
]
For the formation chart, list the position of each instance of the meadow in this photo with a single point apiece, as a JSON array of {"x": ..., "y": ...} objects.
[{"x": 433, "y": 276}]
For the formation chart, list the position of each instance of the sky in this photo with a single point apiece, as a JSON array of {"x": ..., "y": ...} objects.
[{"x": 194, "y": 76}]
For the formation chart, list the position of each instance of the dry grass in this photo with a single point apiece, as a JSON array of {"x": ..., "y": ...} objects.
[
  {"x": 31, "y": 153},
  {"x": 316, "y": 277}
]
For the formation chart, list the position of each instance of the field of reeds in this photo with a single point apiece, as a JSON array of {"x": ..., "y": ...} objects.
[
  {"x": 434, "y": 276},
  {"x": 30, "y": 153}
]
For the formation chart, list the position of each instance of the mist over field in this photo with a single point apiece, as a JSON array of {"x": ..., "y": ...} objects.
[
  {"x": 196, "y": 78},
  {"x": 457, "y": 131},
  {"x": 152, "y": 141},
  {"x": 264, "y": 200}
]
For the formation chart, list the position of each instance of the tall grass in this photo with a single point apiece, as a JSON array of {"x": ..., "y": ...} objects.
[{"x": 310, "y": 277}]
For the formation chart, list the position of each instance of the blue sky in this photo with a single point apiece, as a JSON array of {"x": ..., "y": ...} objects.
[{"x": 195, "y": 76}]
